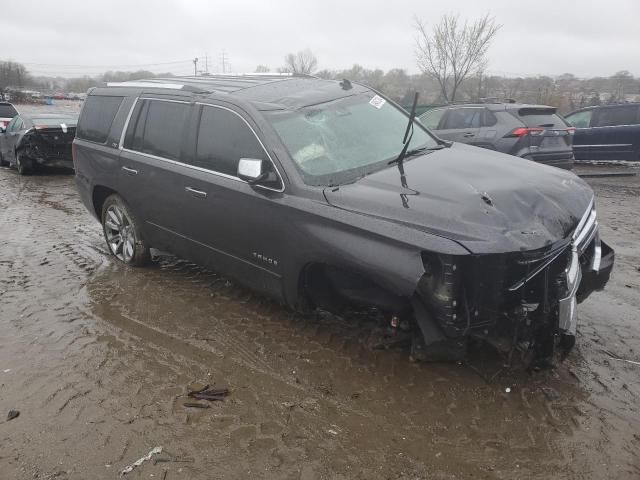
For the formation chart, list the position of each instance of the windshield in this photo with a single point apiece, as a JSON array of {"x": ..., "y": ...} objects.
[
  {"x": 340, "y": 141},
  {"x": 7, "y": 110}
]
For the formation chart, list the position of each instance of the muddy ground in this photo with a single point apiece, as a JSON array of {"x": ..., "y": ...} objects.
[{"x": 97, "y": 358}]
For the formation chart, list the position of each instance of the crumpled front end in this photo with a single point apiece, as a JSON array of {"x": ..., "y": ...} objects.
[
  {"x": 522, "y": 302},
  {"x": 49, "y": 146}
]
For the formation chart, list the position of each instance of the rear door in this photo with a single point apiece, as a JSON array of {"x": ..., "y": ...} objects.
[
  {"x": 152, "y": 167},
  {"x": 582, "y": 139},
  {"x": 616, "y": 133},
  {"x": 462, "y": 124}
]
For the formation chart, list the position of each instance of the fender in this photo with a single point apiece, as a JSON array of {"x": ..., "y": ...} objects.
[{"x": 395, "y": 266}]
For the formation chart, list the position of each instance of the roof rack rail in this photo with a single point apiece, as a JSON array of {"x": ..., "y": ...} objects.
[{"x": 146, "y": 83}]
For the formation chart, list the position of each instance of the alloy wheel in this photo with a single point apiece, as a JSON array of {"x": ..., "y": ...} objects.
[{"x": 120, "y": 233}]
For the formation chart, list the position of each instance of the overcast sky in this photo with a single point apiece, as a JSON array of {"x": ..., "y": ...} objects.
[{"x": 74, "y": 37}]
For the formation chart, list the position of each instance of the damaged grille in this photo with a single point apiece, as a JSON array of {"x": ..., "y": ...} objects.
[{"x": 498, "y": 291}]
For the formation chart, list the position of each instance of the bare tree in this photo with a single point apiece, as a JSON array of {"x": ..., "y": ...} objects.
[
  {"x": 262, "y": 69},
  {"x": 453, "y": 50},
  {"x": 304, "y": 62}
]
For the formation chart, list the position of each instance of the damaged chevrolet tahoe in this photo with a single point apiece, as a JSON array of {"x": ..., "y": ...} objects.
[{"x": 327, "y": 195}]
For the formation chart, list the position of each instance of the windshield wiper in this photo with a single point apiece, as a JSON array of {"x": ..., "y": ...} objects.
[
  {"x": 408, "y": 133},
  {"x": 423, "y": 150}
]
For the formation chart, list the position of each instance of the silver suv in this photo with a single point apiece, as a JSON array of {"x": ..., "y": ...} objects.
[{"x": 534, "y": 132}]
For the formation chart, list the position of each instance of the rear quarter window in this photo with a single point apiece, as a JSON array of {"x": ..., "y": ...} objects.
[{"x": 97, "y": 116}]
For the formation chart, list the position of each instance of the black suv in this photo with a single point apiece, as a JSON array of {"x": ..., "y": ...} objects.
[
  {"x": 534, "y": 132},
  {"x": 296, "y": 187},
  {"x": 610, "y": 132}
]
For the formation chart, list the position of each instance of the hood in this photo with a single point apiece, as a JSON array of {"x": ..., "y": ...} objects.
[{"x": 486, "y": 201}]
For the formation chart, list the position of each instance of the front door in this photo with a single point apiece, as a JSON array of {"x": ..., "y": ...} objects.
[
  {"x": 462, "y": 125},
  {"x": 234, "y": 227},
  {"x": 583, "y": 137}
]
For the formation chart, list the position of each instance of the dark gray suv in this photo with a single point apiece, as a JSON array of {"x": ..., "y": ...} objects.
[
  {"x": 328, "y": 195},
  {"x": 534, "y": 132}
]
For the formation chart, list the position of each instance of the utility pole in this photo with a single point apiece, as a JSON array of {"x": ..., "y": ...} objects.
[
  {"x": 206, "y": 64},
  {"x": 195, "y": 67},
  {"x": 224, "y": 61}
]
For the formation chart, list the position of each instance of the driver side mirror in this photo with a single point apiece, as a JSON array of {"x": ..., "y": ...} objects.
[
  {"x": 251, "y": 170},
  {"x": 3, "y": 129}
]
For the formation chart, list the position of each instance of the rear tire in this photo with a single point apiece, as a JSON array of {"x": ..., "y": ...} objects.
[
  {"x": 122, "y": 232},
  {"x": 23, "y": 165},
  {"x": 2, "y": 161}
]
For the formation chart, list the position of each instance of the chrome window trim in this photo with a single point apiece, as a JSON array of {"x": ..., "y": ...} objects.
[
  {"x": 616, "y": 126},
  {"x": 175, "y": 162},
  {"x": 194, "y": 167}
]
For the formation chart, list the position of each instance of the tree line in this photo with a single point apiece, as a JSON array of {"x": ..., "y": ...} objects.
[{"x": 451, "y": 55}]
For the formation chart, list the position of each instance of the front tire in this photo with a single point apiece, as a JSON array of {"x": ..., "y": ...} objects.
[
  {"x": 122, "y": 232},
  {"x": 24, "y": 165}
]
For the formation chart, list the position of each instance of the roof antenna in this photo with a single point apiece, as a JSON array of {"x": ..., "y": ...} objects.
[{"x": 346, "y": 84}]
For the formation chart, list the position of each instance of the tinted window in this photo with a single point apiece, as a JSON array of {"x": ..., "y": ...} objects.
[
  {"x": 7, "y": 110},
  {"x": 463, "y": 118},
  {"x": 541, "y": 117},
  {"x": 580, "y": 119},
  {"x": 431, "y": 119},
  {"x": 163, "y": 129},
  {"x": 488, "y": 119},
  {"x": 624, "y": 115},
  {"x": 223, "y": 139},
  {"x": 98, "y": 113}
]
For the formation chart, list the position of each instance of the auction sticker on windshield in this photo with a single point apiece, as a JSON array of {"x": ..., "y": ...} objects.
[{"x": 377, "y": 101}]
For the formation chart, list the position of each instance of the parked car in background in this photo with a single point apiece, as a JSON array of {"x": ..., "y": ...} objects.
[
  {"x": 534, "y": 132},
  {"x": 7, "y": 112},
  {"x": 325, "y": 194},
  {"x": 608, "y": 132},
  {"x": 31, "y": 141}
]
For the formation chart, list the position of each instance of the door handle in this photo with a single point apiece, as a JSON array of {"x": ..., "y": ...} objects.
[
  {"x": 469, "y": 134},
  {"x": 196, "y": 193},
  {"x": 130, "y": 171}
]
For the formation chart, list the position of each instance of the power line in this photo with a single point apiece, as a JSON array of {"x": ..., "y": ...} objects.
[{"x": 62, "y": 65}]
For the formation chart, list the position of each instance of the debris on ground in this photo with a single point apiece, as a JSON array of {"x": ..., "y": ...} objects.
[
  {"x": 166, "y": 457},
  {"x": 12, "y": 414},
  {"x": 209, "y": 393},
  {"x": 196, "y": 405},
  {"x": 140, "y": 461},
  {"x": 616, "y": 357}
]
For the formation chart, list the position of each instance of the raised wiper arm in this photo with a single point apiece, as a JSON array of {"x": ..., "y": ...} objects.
[{"x": 408, "y": 133}]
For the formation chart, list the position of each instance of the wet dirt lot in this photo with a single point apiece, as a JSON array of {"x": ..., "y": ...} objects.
[{"x": 97, "y": 358}]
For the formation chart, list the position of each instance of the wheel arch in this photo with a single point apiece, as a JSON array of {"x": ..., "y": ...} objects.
[
  {"x": 332, "y": 287},
  {"x": 98, "y": 196}
]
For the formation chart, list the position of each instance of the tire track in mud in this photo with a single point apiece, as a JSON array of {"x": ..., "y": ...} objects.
[{"x": 101, "y": 354}]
